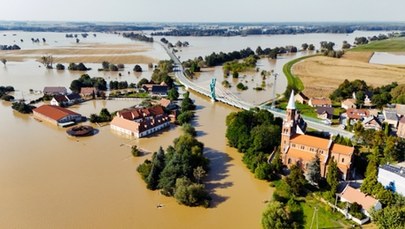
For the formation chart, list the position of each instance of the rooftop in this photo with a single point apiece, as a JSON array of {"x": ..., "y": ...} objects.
[
  {"x": 291, "y": 103},
  {"x": 355, "y": 195},
  {"x": 357, "y": 113},
  {"x": 393, "y": 169},
  {"x": 321, "y": 101},
  {"x": 54, "y": 112},
  {"x": 310, "y": 141}
]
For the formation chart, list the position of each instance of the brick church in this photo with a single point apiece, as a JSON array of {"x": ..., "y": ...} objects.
[{"x": 298, "y": 148}]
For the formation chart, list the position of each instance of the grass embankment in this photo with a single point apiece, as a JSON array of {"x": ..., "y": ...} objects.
[
  {"x": 294, "y": 81},
  {"x": 389, "y": 45},
  {"x": 305, "y": 109}
]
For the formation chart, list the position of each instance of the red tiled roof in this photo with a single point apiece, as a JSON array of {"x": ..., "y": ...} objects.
[
  {"x": 87, "y": 90},
  {"x": 310, "y": 141},
  {"x": 357, "y": 113},
  {"x": 355, "y": 195},
  {"x": 164, "y": 102},
  {"x": 54, "y": 112},
  {"x": 300, "y": 154},
  {"x": 341, "y": 149}
]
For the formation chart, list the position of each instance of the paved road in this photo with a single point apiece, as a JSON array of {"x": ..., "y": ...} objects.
[{"x": 226, "y": 96}]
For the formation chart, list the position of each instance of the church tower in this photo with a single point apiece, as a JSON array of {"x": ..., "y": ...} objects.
[{"x": 289, "y": 125}]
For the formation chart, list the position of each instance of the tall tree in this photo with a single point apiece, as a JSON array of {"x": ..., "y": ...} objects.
[
  {"x": 296, "y": 180},
  {"x": 314, "y": 170},
  {"x": 276, "y": 216},
  {"x": 332, "y": 177}
]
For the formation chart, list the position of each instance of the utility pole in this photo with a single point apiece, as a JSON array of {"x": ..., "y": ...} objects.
[
  {"x": 273, "y": 104},
  {"x": 315, "y": 217}
]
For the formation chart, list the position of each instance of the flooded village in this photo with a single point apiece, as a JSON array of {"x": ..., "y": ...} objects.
[{"x": 52, "y": 179}]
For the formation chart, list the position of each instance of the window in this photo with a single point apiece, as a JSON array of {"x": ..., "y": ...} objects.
[
  {"x": 306, "y": 166},
  {"x": 302, "y": 147},
  {"x": 293, "y": 145},
  {"x": 289, "y": 160},
  {"x": 343, "y": 160}
]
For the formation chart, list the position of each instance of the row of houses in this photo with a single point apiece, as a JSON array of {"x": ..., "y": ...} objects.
[
  {"x": 85, "y": 92},
  {"x": 370, "y": 118}
]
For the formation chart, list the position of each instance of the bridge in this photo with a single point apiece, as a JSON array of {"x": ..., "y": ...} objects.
[{"x": 225, "y": 96}]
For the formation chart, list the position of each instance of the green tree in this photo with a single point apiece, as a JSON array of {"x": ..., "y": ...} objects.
[
  {"x": 189, "y": 129},
  {"x": 277, "y": 162},
  {"x": 158, "y": 163},
  {"x": 199, "y": 173},
  {"x": 142, "y": 82},
  {"x": 370, "y": 182},
  {"x": 314, "y": 170},
  {"x": 135, "y": 151},
  {"x": 276, "y": 216},
  {"x": 390, "y": 217},
  {"x": 187, "y": 104},
  {"x": 191, "y": 194},
  {"x": 137, "y": 68},
  {"x": 185, "y": 117},
  {"x": 60, "y": 67},
  {"x": 4, "y": 61},
  {"x": 332, "y": 178},
  {"x": 296, "y": 180},
  {"x": 311, "y": 47},
  {"x": 304, "y": 46},
  {"x": 173, "y": 94}
]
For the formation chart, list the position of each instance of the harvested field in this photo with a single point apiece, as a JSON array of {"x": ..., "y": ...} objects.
[{"x": 322, "y": 75}]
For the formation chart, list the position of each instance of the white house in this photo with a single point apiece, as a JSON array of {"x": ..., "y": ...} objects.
[{"x": 392, "y": 178}]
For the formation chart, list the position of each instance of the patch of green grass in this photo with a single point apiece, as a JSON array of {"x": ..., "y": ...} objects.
[
  {"x": 389, "y": 45},
  {"x": 305, "y": 109},
  {"x": 293, "y": 80},
  {"x": 325, "y": 217}
]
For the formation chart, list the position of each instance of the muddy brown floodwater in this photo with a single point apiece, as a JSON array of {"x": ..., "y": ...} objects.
[{"x": 51, "y": 180}]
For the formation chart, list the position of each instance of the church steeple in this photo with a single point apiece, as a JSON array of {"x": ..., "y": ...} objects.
[
  {"x": 289, "y": 125},
  {"x": 291, "y": 102}
]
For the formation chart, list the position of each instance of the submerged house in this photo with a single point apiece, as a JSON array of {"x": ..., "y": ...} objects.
[
  {"x": 140, "y": 122},
  {"x": 55, "y": 91},
  {"x": 66, "y": 100},
  {"x": 56, "y": 115}
]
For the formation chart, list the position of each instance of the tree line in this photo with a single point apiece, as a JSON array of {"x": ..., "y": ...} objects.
[
  {"x": 138, "y": 36},
  {"x": 380, "y": 96}
]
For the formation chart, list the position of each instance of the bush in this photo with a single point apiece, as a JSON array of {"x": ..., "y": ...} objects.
[
  {"x": 135, "y": 151},
  {"x": 60, "y": 67},
  {"x": 241, "y": 86},
  {"x": 137, "y": 68}
]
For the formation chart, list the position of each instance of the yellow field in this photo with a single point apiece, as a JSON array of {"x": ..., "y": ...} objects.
[{"x": 322, "y": 75}]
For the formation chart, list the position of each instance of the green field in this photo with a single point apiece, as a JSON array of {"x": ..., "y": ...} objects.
[
  {"x": 390, "y": 45},
  {"x": 293, "y": 80},
  {"x": 325, "y": 218}
]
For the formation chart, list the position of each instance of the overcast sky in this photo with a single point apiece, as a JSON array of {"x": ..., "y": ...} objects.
[{"x": 204, "y": 10}]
